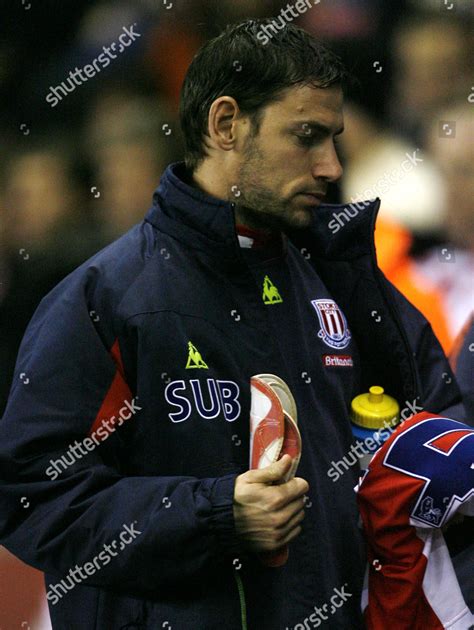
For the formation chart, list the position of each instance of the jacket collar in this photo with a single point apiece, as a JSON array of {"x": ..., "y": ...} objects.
[{"x": 338, "y": 231}]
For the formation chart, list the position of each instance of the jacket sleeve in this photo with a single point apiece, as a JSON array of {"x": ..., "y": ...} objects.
[
  {"x": 439, "y": 388},
  {"x": 62, "y": 375}
]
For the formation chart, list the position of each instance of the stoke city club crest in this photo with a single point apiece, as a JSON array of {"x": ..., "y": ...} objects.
[{"x": 334, "y": 331}]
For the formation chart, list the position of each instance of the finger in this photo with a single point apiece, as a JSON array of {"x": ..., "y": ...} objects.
[
  {"x": 292, "y": 508},
  {"x": 296, "y": 486},
  {"x": 270, "y": 474},
  {"x": 287, "y": 527},
  {"x": 292, "y": 534},
  {"x": 287, "y": 492}
]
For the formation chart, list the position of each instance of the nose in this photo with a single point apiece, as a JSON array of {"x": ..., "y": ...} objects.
[{"x": 326, "y": 164}]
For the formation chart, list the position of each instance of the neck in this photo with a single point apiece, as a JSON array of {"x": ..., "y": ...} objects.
[{"x": 208, "y": 179}]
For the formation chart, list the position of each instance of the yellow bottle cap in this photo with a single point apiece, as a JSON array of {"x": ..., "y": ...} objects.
[{"x": 375, "y": 409}]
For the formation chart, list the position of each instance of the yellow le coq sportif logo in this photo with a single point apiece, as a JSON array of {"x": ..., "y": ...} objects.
[
  {"x": 271, "y": 294},
  {"x": 195, "y": 359}
]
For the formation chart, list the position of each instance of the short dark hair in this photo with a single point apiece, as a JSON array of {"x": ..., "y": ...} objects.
[{"x": 237, "y": 63}]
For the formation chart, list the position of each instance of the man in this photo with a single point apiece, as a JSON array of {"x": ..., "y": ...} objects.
[{"x": 125, "y": 441}]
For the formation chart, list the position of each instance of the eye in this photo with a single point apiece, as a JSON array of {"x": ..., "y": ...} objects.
[
  {"x": 309, "y": 139},
  {"x": 306, "y": 140}
]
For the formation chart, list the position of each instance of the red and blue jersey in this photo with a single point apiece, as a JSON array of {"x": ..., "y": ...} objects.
[{"x": 415, "y": 484}]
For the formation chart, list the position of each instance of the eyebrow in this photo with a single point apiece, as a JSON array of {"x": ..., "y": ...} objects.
[{"x": 317, "y": 126}]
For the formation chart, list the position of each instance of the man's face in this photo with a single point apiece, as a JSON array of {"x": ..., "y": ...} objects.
[{"x": 292, "y": 157}]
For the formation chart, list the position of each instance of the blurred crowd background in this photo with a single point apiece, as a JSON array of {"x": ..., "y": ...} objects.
[{"x": 76, "y": 176}]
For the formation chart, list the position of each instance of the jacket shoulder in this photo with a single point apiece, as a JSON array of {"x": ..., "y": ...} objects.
[{"x": 101, "y": 283}]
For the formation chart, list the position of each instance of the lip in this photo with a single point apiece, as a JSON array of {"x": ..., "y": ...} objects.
[{"x": 315, "y": 199}]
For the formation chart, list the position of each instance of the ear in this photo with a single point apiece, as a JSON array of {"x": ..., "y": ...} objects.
[{"x": 222, "y": 128}]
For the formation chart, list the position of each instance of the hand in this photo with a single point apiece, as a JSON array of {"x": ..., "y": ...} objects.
[{"x": 266, "y": 515}]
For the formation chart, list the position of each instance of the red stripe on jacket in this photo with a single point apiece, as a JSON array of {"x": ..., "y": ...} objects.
[{"x": 117, "y": 394}]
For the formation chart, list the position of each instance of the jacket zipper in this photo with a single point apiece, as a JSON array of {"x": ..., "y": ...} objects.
[{"x": 243, "y": 607}]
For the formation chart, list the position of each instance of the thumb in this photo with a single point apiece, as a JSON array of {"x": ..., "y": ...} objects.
[{"x": 273, "y": 472}]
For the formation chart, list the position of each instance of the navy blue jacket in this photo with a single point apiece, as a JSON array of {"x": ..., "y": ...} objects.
[{"x": 148, "y": 348}]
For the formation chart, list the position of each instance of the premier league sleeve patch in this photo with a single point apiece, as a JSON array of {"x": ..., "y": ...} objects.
[{"x": 334, "y": 331}]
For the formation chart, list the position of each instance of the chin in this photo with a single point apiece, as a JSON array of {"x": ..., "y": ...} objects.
[{"x": 300, "y": 219}]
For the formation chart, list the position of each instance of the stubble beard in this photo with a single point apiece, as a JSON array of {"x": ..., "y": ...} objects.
[{"x": 258, "y": 206}]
